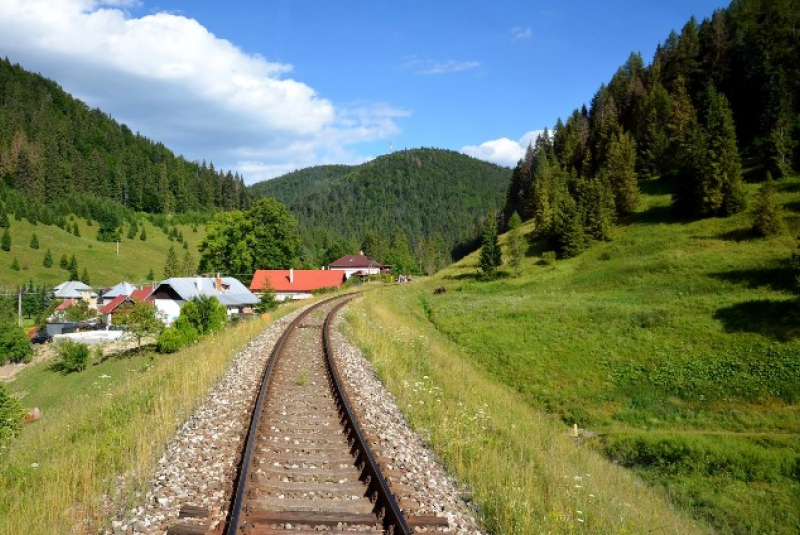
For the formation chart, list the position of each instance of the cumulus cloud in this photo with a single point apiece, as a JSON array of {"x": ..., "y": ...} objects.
[
  {"x": 521, "y": 34},
  {"x": 433, "y": 67},
  {"x": 168, "y": 77},
  {"x": 503, "y": 151}
]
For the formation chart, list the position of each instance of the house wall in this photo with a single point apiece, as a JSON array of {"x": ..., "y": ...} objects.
[
  {"x": 170, "y": 309},
  {"x": 348, "y": 272},
  {"x": 288, "y": 296}
]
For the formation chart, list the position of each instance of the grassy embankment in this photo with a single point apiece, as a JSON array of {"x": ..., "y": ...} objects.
[
  {"x": 105, "y": 267},
  {"x": 112, "y": 419},
  {"x": 678, "y": 342}
]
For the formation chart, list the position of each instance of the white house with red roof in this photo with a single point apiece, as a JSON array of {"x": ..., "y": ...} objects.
[
  {"x": 122, "y": 302},
  {"x": 358, "y": 265},
  {"x": 295, "y": 283}
]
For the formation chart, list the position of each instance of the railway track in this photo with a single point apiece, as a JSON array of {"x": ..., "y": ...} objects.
[{"x": 306, "y": 464}]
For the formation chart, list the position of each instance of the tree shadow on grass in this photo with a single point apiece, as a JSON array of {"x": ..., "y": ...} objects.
[
  {"x": 739, "y": 234},
  {"x": 653, "y": 216},
  {"x": 792, "y": 206},
  {"x": 779, "y": 277},
  {"x": 777, "y": 319}
]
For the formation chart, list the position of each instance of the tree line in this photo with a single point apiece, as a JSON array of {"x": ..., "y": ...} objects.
[{"x": 719, "y": 98}]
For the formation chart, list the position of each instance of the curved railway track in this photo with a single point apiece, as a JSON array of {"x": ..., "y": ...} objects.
[{"x": 306, "y": 465}]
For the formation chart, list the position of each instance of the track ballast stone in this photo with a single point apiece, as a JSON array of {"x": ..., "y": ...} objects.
[{"x": 198, "y": 466}]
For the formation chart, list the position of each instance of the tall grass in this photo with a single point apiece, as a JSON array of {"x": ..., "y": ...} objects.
[
  {"x": 525, "y": 473},
  {"x": 57, "y": 476}
]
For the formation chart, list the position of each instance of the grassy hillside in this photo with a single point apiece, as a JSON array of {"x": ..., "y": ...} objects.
[
  {"x": 420, "y": 192},
  {"x": 105, "y": 267},
  {"x": 677, "y": 342}
]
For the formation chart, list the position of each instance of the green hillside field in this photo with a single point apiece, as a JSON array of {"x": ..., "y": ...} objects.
[
  {"x": 675, "y": 348},
  {"x": 105, "y": 267}
]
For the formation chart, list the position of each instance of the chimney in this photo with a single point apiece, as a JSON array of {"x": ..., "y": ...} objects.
[
  {"x": 291, "y": 275},
  {"x": 218, "y": 283},
  {"x": 199, "y": 283}
]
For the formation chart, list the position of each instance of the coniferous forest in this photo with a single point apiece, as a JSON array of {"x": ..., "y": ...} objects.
[
  {"x": 718, "y": 104},
  {"x": 53, "y": 146}
]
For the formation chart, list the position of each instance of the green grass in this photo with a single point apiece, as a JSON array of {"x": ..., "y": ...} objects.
[
  {"x": 105, "y": 267},
  {"x": 686, "y": 329}
]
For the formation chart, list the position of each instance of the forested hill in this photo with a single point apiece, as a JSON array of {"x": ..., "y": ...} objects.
[
  {"x": 718, "y": 104},
  {"x": 429, "y": 197},
  {"x": 53, "y": 145}
]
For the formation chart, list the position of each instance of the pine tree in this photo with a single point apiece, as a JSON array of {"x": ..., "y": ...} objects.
[
  {"x": 15, "y": 264},
  {"x": 516, "y": 243},
  {"x": 5, "y": 241},
  {"x": 48, "y": 259},
  {"x": 171, "y": 267},
  {"x": 75, "y": 230},
  {"x": 64, "y": 262},
  {"x": 768, "y": 210},
  {"x": 188, "y": 265},
  {"x": 34, "y": 241},
  {"x": 151, "y": 275},
  {"x": 73, "y": 268},
  {"x": 4, "y": 223},
  {"x": 722, "y": 181},
  {"x": 85, "y": 276},
  {"x": 143, "y": 235},
  {"x": 621, "y": 169},
  {"x": 491, "y": 255}
]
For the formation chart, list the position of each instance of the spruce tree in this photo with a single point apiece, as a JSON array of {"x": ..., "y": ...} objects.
[
  {"x": 768, "y": 210},
  {"x": 75, "y": 230},
  {"x": 722, "y": 180},
  {"x": 151, "y": 275},
  {"x": 188, "y": 265},
  {"x": 5, "y": 241},
  {"x": 73, "y": 268},
  {"x": 171, "y": 268},
  {"x": 64, "y": 262},
  {"x": 34, "y": 241},
  {"x": 143, "y": 235},
  {"x": 4, "y": 223},
  {"x": 621, "y": 169},
  {"x": 516, "y": 243},
  {"x": 491, "y": 256},
  {"x": 15, "y": 264},
  {"x": 85, "y": 276},
  {"x": 48, "y": 259}
]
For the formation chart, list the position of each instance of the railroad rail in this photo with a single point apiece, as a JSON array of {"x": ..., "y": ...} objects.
[{"x": 306, "y": 463}]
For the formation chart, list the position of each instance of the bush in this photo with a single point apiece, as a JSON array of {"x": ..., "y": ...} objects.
[
  {"x": 14, "y": 344},
  {"x": 74, "y": 356},
  {"x": 170, "y": 340},
  {"x": 549, "y": 258},
  {"x": 10, "y": 416}
]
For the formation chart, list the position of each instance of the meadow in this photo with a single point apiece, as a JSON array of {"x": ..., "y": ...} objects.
[
  {"x": 675, "y": 347},
  {"x": 105, "y": 267}
]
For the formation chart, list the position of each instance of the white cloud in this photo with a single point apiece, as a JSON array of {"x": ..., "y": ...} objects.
[
  {"x": 168, "y": 77},
  {"x": 521, "y": 34},
  {"x": 432, "y": 67},
  {"x": 502, "y": 151}
]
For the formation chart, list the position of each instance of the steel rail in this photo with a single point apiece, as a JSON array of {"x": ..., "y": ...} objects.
[{"x": 393, "y": 519}]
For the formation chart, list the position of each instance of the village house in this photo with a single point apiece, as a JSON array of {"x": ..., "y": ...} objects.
[
  {"x": 170, "y": 295},
  {"x": 122, "y": 289},
  {"x": 122, "y": 303},
  {"x": 76, "y": 290},
  {"x": 295, "y": 283},
  {"x": 358, "y": 265}
]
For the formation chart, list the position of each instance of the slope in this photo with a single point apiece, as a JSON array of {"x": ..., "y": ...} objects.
[
  {"x": 420, "y": 192},
  {"x": 677, "y": 343}
]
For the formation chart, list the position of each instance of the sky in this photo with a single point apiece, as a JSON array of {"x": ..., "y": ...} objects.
[{"x": 265, "y": 87}]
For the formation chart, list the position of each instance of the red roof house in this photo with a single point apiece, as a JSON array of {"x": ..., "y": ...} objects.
[
  {"x": 295, "y": 283},
  {"x": 111, "y": 307},
  {"x": 357, "y": 264}
]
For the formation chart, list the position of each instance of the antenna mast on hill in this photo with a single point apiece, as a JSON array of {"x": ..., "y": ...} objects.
[{"x": 391, "y": 147}]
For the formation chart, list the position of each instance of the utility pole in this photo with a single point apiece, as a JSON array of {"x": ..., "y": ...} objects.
[
  {"x": 19, "y": 308},
  {"x": 117, "y": 247}
]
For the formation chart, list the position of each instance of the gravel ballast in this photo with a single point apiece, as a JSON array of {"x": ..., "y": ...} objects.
[{"x": 198, "y": 466}]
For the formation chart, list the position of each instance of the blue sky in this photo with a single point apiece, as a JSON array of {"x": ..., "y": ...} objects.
[{"x": 265, "y": 87}]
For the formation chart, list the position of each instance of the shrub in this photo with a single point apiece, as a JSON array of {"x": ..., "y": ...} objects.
[
  {"x": 74, "y": 356},
  {"x": 10, "y": 416},
  {"x": 549, "y": 258},
  {"x": 14, "y": 345},
  {"x": 170, "y": 340}
]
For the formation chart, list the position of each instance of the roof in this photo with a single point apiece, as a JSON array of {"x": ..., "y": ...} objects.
[
  {"x": 236, "y": 293},
  {"x": 65, "y": 304},
  {"x": 136, "y": 295},
  {"x": 123, "y": 288},
  {"x": 71, "y": 289},
  {"x": 304, "y": 280},
  {"x": 354, "y": 261}
]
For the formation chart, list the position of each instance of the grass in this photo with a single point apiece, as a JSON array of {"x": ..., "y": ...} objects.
[
  {"x": 56, "y": 476},
  {"x": 674, "y": 337},
  {"x": 105, "y": 267}
]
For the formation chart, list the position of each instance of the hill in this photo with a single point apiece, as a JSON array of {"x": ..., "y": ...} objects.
[
  {"x": 421, "y": 194},
  {"x": 53, "y": 145},
  {"x": 675, "y": 346}
]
